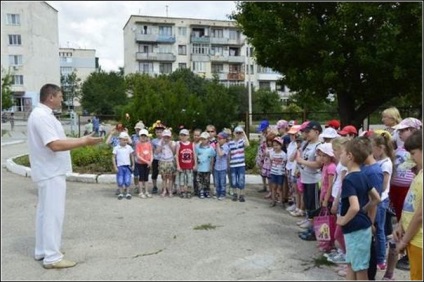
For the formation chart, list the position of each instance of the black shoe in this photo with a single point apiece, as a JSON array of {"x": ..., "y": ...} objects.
[
  {"x": 403, "y": 263},
  {"x": 235, "y": 197},
  {"x": 241, "y": 199},
  {"x": 155, "y": 190}
]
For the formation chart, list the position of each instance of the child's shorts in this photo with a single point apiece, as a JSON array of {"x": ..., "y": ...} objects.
[
  {"x": 166, "y": 167},
  {"x": 358, "y": 249},
  {"x": 299, "y": 186},
  {"x": 277, "y": 179}
]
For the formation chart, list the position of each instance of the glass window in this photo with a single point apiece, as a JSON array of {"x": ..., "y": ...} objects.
[
  {"x": 234, "y": 68},
  {"x": 217, "y": 67},
  {"x": 165, "y": 30},
  {"x": 146, "y": 67},
  {"x": 200, "y": 49},
  {"x": 199, "y": 66},
  {"x": 166, "y": 48},
  {"x": 165, "y": 68},
  {"x": 234, "y": 34},
  {"x": 264, "y": 85},
  {"x": 18, "y": 80},
  {"x": 15, "y": 60},
  {"x": 15, "y": 39},
  {"x": 13, "y": 19},
  {"x": 182, "y": 31},
  {"x": 217, "y": 33},
  {"x": 182, "y": 65},
  {"x": 65, "y": 71},
  {"x": 182, "y": 50},
  {"x": 217, "y": 51}
]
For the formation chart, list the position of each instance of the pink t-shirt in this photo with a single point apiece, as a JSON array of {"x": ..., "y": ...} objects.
[{"x": 327, "y": 170}]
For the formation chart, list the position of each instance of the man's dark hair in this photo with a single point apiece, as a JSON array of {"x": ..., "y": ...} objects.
[
  {"x": 47, "y": 90},
  {"x": 415, "y": 141}
]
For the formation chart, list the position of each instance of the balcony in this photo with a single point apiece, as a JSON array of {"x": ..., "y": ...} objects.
[
  {"x": 235, "y": 76},
  {"x": 216, "y": 40},
  {"x": 237, "y": 59},
  {"x": 200, "y": 40},
  {"x": 155, "y": 38},
  {"x": 237, "y": 41},
  {"x": 218, "y": 58},
  {"x": 200, "y": 58},
  {"x": 157, "y": 57}
]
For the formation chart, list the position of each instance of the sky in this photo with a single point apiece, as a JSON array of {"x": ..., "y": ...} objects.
[{"x": 99, "y": 25}]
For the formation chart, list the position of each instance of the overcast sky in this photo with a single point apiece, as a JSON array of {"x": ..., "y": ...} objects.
[{"x": 99, "y": 25}]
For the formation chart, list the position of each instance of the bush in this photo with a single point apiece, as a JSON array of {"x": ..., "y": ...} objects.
[
  {"x": 250, "y": 155},
  {"x": 92, "y": 159}
]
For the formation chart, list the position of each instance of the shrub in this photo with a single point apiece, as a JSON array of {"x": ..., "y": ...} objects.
[{"x": 250, "y": 155}]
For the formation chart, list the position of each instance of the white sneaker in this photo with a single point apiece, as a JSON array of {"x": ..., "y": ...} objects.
[
  {"x": 301, "y": 221},
  {"x": 297, "y": 213},
  {"x": 148, "y": 195},
  {"x": 306, "y": 224},
  {"x": 142, "y": 195},
  {"x": 291, "y": 208}
]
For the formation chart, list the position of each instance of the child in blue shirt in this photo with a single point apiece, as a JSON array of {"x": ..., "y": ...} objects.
[
  {"x": 205, "y": 157},
  {"x": 221, "y": 165}
]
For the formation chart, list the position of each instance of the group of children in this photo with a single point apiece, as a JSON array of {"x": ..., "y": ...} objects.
[
  {"x": 185, "y": 166},
  {"x": 351, "y": 177}
]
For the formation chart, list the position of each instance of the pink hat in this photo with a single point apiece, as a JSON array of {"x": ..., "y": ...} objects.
[
  {"x": 294, "y": 129},
  {"x": 409, "y": 123},
  {"x": 282, "y": 124},
  {"x": 303, "y": 126}
]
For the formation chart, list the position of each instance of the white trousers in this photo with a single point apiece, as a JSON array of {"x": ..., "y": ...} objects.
[{"x": 49, "y": 219}]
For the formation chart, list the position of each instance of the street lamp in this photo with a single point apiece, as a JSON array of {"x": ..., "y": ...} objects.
[{"x": 250, "y": 85}]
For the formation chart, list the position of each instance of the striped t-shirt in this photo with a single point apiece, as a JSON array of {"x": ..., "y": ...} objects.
[{"x": 237, "y": 158}]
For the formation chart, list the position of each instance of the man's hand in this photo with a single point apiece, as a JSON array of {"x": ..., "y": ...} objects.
[{"x": 92, "y": 140}]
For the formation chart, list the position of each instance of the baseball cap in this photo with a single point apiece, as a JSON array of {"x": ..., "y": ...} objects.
[
  {"x": 204, "y": 135},
  {"x": 334, "y": 123},
  {"x": 123, "y": 135},
  {"x": 314, "y": 125},
  {"x": 282, "y": 124},
  {"x": 222, "y": 135},
  {"x": 348, "y": 129},
  {"x": 143, "y": 132},
  {"x": 326, "y": 148},
  {"x": 238, "y": 129},
  {"x": 294, "y": 129},
  {"x": 279, "y": 140},
  {"x": 263, "y": 125},
  {"x": 166, "y": 132},
  {"x": 184, "y": 132},
  {"x": 303, "y": 125},
  {"x": 139, "y": 125},
  {"x": 409, "y": 123},
  {"x": 329, "y": 132}
]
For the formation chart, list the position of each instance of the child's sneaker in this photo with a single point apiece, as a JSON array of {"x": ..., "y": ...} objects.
[
  {"x": 128, "y": 196},
  {"x": 291, "y": 208},
  {"x": 117, "y": 192},
  {"x": 201, "y": 194},
  {"x": 241, "y": 198},
  {"x": 207, "y": 195},
  {"x": 221, "y": 198},
  {"x": 188, "y": 195},
  {"x": 155, "y": 190},
  {"x": 142, "y": 195},
  {"x": 120, "y": 196},
  {"x": 148, "y": 195},
  {"x": 301, "y": 221},
  {"x": 235, "y": 197},
  {"x": 340, "y": 258},
  {"x": 381, "y": 266}
]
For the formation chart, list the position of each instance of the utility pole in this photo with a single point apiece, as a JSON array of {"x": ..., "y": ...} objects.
[{"x": 249, "y": 86}]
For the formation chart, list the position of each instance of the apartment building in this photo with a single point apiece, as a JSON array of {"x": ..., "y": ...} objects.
[
  {"x": 29, "y": 44},
  {"x": 81, "y": 61},
  {"x": 161, "y": 45}
]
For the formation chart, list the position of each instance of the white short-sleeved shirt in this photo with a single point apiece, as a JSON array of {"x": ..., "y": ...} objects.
[
  {"x": 337, "y": 184},
  {"x": 43, "y": 128},
  {"x": 291, "y": 149},
  {"x": 307, "y": 174},
  {"x": 123, "y": 154},
  {"x": 386, "y": 165}
]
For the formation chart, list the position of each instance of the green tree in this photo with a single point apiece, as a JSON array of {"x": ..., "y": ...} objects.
[
  {"x": 71, "y": 87},
  {"x": 365, "y": 53},
  {"x": 266, "y": 101},
  {"x": 6, "y": 91},
  {"x": 104, "y": 93}
]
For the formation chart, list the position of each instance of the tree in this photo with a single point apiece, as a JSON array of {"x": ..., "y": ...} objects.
[
  {"x": 71, "y": 88},
  {"x": 6, "y": 91},
  {"x": 365, "y": 53},
  {"x": 104, "y": 93}
]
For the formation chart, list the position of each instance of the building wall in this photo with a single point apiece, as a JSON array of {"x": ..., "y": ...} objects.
[
  {"x": 142, "y": 31},
  {"x": 39, "y": 33}
]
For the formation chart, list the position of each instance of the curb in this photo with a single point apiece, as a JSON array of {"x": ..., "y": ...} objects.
[
  {"x": 95, "y": 178},
  {"x": 12, "y": 143}
]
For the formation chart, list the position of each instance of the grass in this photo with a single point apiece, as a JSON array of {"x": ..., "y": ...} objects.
[
  {"x": 322, "y": 260},
  {"x": 205, "y": 227}
]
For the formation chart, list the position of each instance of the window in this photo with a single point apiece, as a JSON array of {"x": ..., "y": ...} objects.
[
  {"x": 146, "y": 67},
  {"x": 251, "y": 70},
  {"x": 165, "y": 30},
  {"x": 199, "y": 66},
  {"x": 234, "y": 68},
  {"x": 182, "y": 31},
  {"x": 234, "y": 51},
  {"x": 15, "y": 39},
  {"x": 249, "y": 50},
  {"x": 262, "y": 69},
  {"x": 234, "y": 34},
  {"x": 217, "y": 51},
  {"x": 217, "y": 67},
  {"x": 65, "y": 60},
  {"x": 182, "y": 65},
  {"x": 65, "y": 71},
  {"x": 182, "y": 50},
  {"x": 15, "y": 60},
  {"x": 145, "y": 29},
  {"x": 217, "y": 33},
  {"x": 18, "y": 80},
  {"x": 165, "y": 49},
  {"x": 13, "y": 19},
  {"x": 200, "y": 49},
  {"x": 264, "y": 85},
  {"x": 165, "y": 68},
  {"x": 145, "y": 48}
]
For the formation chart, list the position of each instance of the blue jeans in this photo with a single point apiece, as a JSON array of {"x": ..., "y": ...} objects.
[
  {"x": 238, "y": 177},
  {"x": 220, "y": 182},
  {"x": 123, "y": 177},
  {"x": 380, "y": 236}
]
